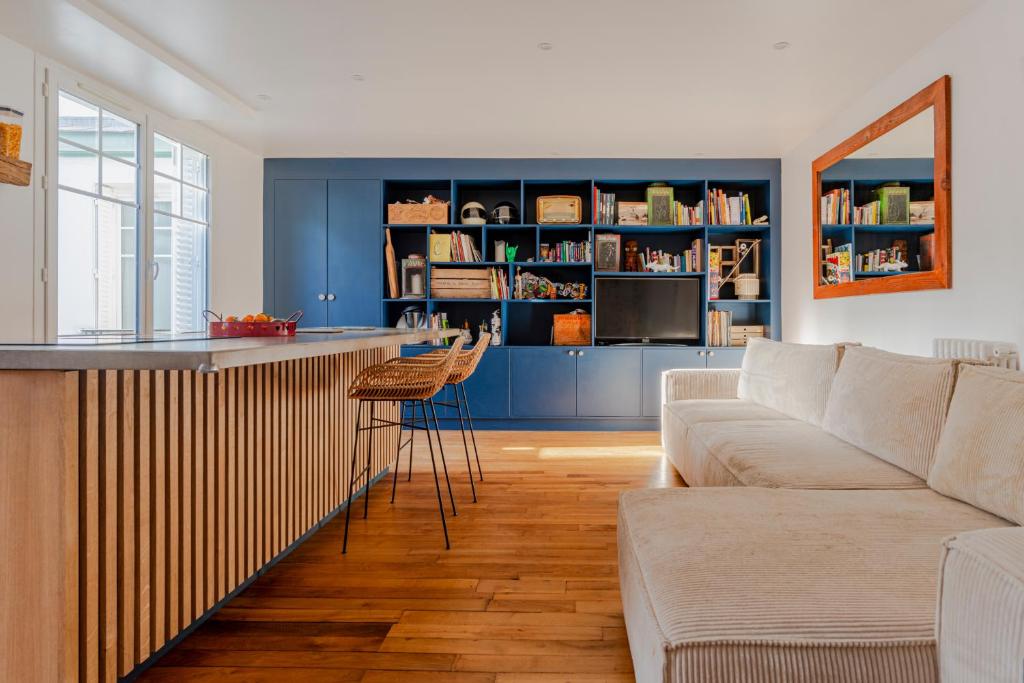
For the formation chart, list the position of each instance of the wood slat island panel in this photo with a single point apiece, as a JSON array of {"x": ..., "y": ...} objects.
[{"x": 164, "y": 491}]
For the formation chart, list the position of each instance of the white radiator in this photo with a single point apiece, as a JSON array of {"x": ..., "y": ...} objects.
[{"x": 1000, "y": 354}]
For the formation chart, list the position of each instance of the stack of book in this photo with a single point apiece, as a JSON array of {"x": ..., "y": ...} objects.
[
  {"x": 725, "y": 210},
  {"x": 455, "y": 247},
  {"x": 869, "y": 214},
  {"x": 690, "y": 215},
  {"x": 693, "y": 261},
  {"x": 873, "y": 261},
  {"x": 499, "y": 283},
  {"x": 570, "y": 252},
  {"x": 719, "y": 328},
  {"x": 835, "y": 207},
  {"x": 838, "y": 265},
  {"x": 604, "y": 203}
]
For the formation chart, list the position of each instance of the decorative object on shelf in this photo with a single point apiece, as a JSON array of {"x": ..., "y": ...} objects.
[
  {"x": 499, "y": 251},
  {"x": 632, "y": 257},
  {"x": 545, "y": 251},
  {"x": 504, "y": 213},
  {"x": 414, "y": 276},
  {"x": 571, "y": 329},
  {"x": 460, "y": 283},
  {"x": 739, "y": 335},
  {"x": 660, "y": 204},
  {"x": 559, "y": 209},
  {"x": 440, "y": 248},
  {"x": 748, "y": 286},
  {"x": 532, "y": 286},
  {"x": 431, "y": 211},
  {"x": 607, "y": 254},
  {"x": 466, "y": 333},
  {"x": 473, "y": 213},
  {"x": 735, "y": 255},
  {"x": 922, "y": 213},
  {"x": 510, "y": 252},
  {"x": 894, "y": 204},
  {"x": 496, "y": 328},
  {"x": 412, "y": 318},
  {"x": 632, "y": 213},
  {"x": 389, "y": 257}
]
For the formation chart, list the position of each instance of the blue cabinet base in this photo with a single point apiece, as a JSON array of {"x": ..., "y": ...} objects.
[{"x": 568, "y": 424}]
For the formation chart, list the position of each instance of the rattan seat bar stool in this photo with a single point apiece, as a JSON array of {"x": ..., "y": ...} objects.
[
  {"x": 405, "y": 384},
  {"x": 463, "y": 369}
]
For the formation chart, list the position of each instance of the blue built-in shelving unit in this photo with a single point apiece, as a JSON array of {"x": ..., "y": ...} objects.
[{"x": 324, "y": 225}]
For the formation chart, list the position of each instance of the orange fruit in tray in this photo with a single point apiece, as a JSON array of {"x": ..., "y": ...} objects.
[
  {"x": 231, "y": 319},
  {"x": 261, "y": 318},
  {"x": 249, "y": 318}
]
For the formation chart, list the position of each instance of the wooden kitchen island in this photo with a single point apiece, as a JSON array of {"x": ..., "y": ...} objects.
[{"x": 141, "y": 484}]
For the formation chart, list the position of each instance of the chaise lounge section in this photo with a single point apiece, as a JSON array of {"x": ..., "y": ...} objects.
[{"x": 808, "y": 547}]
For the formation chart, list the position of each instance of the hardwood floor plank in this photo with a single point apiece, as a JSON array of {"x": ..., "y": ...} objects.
[{"x": 528, "y": 593}]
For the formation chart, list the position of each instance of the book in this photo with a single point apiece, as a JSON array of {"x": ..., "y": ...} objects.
[
  {"x": 440, "y": 248},
  {"x": 714, "y": 274},
  {"x": 725, "y": 210},
  {"x": 835, "y": 207}
]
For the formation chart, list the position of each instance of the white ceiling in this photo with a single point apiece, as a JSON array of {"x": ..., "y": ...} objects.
[{"x": 651, "y": 78}]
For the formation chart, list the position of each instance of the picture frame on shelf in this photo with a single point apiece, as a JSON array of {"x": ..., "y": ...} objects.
[
  {"x": 607, "y": 252},
  {"x": 660, "y": 205},
  {"x": 632, "y": 213}
]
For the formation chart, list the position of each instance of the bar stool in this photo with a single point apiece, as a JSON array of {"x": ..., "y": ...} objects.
[
  {"x": 407, "y": 383},
  {"x": 462, "y": 370}
]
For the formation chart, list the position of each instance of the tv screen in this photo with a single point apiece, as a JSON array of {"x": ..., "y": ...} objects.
[{"x": 647, "y": 309}]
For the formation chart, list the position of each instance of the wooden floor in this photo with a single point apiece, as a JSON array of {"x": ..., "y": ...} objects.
[{"x": 528, "y": 592}]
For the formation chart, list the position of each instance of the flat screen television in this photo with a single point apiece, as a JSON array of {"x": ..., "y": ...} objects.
[{"x": 642, "y": 310}]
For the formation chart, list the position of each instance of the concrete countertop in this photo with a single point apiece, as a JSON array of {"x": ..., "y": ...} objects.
[{"x": 197, "y": 352}]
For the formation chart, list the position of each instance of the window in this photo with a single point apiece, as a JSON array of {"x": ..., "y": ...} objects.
[
  {"x": 181, "y": 202},
  {"x": 97, "y": 219}
]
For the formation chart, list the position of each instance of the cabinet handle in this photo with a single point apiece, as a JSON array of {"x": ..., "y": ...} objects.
[
  {"x": 711, "y": 353},
  {"x": 700, "y": 354},
  {"x": 321, "y": 297},
  {"x": 571, "y": 352},
  {"x": 580, "y": 352},
  {"x": 331, "y": 297}
]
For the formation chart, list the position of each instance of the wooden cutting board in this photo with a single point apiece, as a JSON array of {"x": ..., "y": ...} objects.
[{"x": 389, "y": 253}]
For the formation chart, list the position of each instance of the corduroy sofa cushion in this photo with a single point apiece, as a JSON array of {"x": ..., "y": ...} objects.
[
  {"x": 786, "y": 454},
  {"x": 892, "y": 406},
  {"x": 767, "y": 585},
  {"x": 794, "y": 379},
  {"x": 980, "y": 457}
]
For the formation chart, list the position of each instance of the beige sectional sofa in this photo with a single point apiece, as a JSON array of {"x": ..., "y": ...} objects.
[{"x": 851, "y": 517}]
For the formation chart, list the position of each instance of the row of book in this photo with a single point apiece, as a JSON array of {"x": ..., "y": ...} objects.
[
  {"x": 838, "y": 268},
  {"x": 455, "y": 247},
  {"x": 869, "y": 214},
  {"x": 499, "y": 283},
  {"x": 835, "y": 207},
  {"x": 608, "y": 211},
  {"x": 690, "y": 215},
  {"x": 570, "y": 252},
  {"x": 726, "y": 210},
  {"x": 604, "y": 203},
  {"x": 893, "y": 260},
  {"x": 719, "y": 328}
]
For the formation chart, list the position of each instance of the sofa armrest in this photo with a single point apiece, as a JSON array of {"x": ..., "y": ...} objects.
[
  {"x": 981, "y": 606},
  {"x": 679, "y": 385}
]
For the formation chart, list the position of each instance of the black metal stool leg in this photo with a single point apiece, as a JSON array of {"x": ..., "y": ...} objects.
[
  {"x": 412, "y": 436},
  {"x": 352, "y": 477},
  {"x": 437, "y": 483},
  {"x": 465, "y": 443},
  {"x": 472, "y": 432},
  {"x": 398, "y": 450},
  {"x": 440, "y": 448},
  {"x": 369, "y": 458}
]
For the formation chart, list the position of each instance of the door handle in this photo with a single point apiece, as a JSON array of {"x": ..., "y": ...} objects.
[
  {"x": 321, "y": 297},
  {"x": 700, "y": 354},
  {"x": 711, "y": 353},
  {"x": 580, "y": 352},
  {"x": 331, "y": 297},
  {"x": 571, "y": 352}
]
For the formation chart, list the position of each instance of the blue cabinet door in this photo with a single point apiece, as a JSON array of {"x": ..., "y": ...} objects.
[
  {"x": 300, "y": 250},
  {"x": 657, "y": 361},
  {"x": 542, "y": 382},
  {"x": 354, "y": 258},
  {"x": 608, "y": 382},
  {"x": 487, "y": 387},
  {"x": 725, "y": 358}
]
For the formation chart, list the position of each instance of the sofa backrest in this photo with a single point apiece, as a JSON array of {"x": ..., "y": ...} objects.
[
  {"x": 794, "y": 379},
  {"x": 980, "y": 456},
  {"x": 890, "y": 405}
]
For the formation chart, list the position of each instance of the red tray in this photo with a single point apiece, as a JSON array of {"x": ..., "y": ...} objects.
[{"x": 237, "y": 328}]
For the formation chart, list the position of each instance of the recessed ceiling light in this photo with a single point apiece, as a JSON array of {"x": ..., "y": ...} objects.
[
  {"x": 358, "y": 77},
  {"x": 545, "y": 46},
  {"x": 263, "y": 97},
  {"x": 781, "y": 45}
]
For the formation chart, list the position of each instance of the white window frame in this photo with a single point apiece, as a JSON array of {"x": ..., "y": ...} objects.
[{"x": 51, "y": 79}]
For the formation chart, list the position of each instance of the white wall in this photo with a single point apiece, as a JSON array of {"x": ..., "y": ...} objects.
[
  {"x": 984, "y": 55},
  {"x": 236, "y": 231},
  {"x": 17, "y": 68}
]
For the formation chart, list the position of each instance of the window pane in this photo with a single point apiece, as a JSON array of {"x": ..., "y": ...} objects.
[
  {"x": 162, "y": 240},
  {"x": 119, "y": 180},
  {"x": 96, "y": 276},
  {"x": 78, "y": 121},
  {"x": 180, "y": 288},
  {"x": 167, "y": 194},
  {"x": 167, "y": 156},
  {"x": 194, "y": 165},
  {"x": 193, "y": 204},
  {"x": 120, "y": 137},
  {"x": 77, "y": 168}
]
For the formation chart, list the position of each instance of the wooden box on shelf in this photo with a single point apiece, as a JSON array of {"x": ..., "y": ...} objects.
[
  {"x": 571, "y": 329},
  {"x": 418, "y": 214},
  {"x": 740, "y": 334},
  {"x": 460, "y": 283},
  {"x": 15, "y": 172}
]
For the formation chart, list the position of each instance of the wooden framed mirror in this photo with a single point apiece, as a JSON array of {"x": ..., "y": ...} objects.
[{"x": 882, "y": 203}]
